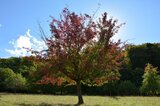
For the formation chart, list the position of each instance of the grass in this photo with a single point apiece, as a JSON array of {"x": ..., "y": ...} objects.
[{"x": 8, "y": 99}]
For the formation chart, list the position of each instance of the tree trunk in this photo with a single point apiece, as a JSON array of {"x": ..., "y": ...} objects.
[{"x": 79, "y": 93}]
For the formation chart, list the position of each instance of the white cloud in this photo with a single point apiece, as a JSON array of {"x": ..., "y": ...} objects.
[{"x": 25, "y": 41}]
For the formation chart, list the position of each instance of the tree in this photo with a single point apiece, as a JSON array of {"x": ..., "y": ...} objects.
[
  {"x": 139, "y": 55},
  {"x": 10, "y": 80},
  {"x": 12, "y": 63},
  {"x": 151, "y": 81},
  {"x": 18, "y": 65},
  {"x": 4, "y": 74},
  {"x": 15, "y": 82},
  {"x": 80, "y": 51}
]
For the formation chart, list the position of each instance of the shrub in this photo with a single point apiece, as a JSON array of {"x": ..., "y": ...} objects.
[
  {"x": 127, "y": 88},
  {"x": 151, "y": 81},
  {"x": 110, "y": 88},
  {"x": 4, "y": 74},
  {"x": 16, "y": 82},
  {"x": 137, "y": 74}
]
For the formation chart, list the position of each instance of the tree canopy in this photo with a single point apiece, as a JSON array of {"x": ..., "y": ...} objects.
[{"x": 145, "y": 53}]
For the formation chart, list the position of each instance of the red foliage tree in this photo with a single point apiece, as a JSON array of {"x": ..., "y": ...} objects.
[{"x": 80, "y": 50}]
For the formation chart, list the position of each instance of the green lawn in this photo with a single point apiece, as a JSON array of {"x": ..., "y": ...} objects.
[{"x": 7, "y": 99}]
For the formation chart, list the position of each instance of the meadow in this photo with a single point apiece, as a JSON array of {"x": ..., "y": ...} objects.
[{"x": 10, "y": 99}]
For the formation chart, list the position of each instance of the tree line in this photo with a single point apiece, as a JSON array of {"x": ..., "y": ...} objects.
[{"x": 18, "y": 74}]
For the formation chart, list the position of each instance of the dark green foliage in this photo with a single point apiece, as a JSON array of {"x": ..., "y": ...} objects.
[
  {"x": 12, "y": 63},
  {"x": 137, "y": 74},
  {"x": 139, "y": 55},
  {"x": 111, "y": 88},
  {"x": 127, "y": 88},
  {"x": 18, "y": 65},
  {"x": 126, "y": 74},
  {"x": 151, "y": 81},
  {"x": 133, "y": 75}
]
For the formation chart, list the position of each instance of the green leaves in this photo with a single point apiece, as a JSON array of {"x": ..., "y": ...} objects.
[
  {"x": 11, "y": 81},
  {"x": 151, "y": 81},
  {"x": 16, "y": 82}
]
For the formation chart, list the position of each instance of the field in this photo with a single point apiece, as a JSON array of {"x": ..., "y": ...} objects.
[{"x": 8, "y": 99}]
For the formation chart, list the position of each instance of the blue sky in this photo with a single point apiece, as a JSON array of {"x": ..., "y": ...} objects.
[{"x": 19, "y": 20}]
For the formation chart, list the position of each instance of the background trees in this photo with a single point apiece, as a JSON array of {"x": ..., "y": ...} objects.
[
  {"x": 5, "y": 73},
  {"x": 139, "y": 55},
  {"x": 11, "y": 81},
  {"x": 16, "y": 82},
  {"x": 32, "y": 72}
]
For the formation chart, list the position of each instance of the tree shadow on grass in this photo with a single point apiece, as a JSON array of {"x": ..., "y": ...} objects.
[
  {"x": 46, "y": 104},
  {"x": 114, "y": 97}
]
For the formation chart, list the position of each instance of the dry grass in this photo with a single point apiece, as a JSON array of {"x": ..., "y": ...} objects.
[{"x": 7, "y": 99}]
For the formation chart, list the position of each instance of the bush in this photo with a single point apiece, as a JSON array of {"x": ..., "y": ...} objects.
[
  {"x": 4, "y": 74},
  {"x": 137, "y": 74},
  {"x": 151, "y": 81},
  {"x": 11, "y": 81},
  {"x": 134, "y": 75},
  {"x": 127, "y": 88},
  {"x": 16, "y": 82},
  {"x": 110, "y": 88}
]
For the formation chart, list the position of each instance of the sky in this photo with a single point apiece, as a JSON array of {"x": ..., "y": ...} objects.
[{"x": 19, "y": 21}]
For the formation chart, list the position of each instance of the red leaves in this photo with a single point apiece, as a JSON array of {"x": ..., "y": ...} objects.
[
  {"x": 50, "y": 80},
  {"x": 72, "y": 31},
  {"x": 81, "y": 49}
]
